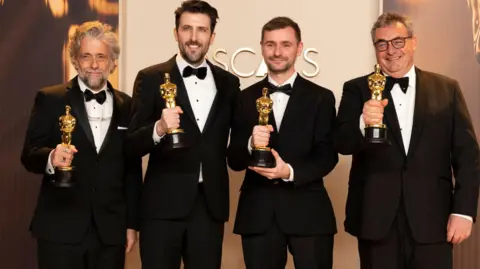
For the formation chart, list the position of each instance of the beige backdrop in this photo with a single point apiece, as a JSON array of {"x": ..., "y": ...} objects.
[{"x": 338, "y": 30}]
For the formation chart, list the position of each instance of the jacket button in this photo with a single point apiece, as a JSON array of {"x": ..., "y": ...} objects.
[{"x": 93, "y": 189}]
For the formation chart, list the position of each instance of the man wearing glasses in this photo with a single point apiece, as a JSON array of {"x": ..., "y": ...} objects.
[{"x": 402, "y": 204}]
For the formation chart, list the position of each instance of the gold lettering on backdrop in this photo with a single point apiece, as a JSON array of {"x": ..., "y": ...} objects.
[
  {"x": 261, "y": 70},
  {"x": 232, "y": 62},
  {"x": 310, "y": 61},
  {"x": 215, "y": 58}
]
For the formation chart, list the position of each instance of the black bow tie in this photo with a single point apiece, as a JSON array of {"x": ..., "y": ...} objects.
[
  {"x": 286, "y": 89},
  {"x": 403, "y": 82},
  {"x": 99, "y": 97},
  {"x": 201, "y": 72}
]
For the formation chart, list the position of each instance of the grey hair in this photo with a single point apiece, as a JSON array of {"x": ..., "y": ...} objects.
[
  {"x": 387, "y": 19},
  {"x": 97, "y": 30}
]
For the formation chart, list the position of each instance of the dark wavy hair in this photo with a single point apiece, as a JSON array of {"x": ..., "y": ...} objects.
[{"x": 197, "y": 6}]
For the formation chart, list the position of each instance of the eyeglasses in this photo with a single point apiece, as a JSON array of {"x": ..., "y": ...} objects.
[
  {"x": 398, "y": 43},
  {"x": 88, "y": 58}
]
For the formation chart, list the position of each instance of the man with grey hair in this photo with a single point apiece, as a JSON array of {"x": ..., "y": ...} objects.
[
  {"x": 93, "y": 223},
  {"x": 403, "y": 205}
]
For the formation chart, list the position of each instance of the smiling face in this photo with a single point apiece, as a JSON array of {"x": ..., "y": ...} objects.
[
  {"x": 194, "y": 37},
  {"x": 280, "y": 49},
  {"x": 94, "y": 63},
  {"x": 395, "y": 61}
]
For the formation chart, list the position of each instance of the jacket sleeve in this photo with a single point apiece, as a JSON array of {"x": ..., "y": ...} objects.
[{"x": 39, "y": 132}]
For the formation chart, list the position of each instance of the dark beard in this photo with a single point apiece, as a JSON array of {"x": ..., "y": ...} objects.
[
  {"x": 278, "y": 71},
  {"x": 189, "y": 60}
]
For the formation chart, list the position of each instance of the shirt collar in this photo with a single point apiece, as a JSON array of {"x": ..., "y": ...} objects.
[{"x": 412, "y": 76}]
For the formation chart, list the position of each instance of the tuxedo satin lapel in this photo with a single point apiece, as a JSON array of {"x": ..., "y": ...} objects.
[
  {"x": 291, "y": 111},
  {"x": 220, "y": 83},
  {"x": 117, "y": 102},
  {"x": 76, "y": 99},
  {"x": 420, "y": 111},
  {"x": 391, "y": 120},
  {"x": 182, "y": 95}
]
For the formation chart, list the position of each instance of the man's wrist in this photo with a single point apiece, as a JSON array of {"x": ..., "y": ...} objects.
[
  {"x": 159, "y": 129},
  {"x": 286, "y": 171},
  {"x": 156, "y": 135}
]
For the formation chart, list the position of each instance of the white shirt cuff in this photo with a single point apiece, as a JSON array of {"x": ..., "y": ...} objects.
[
  {"x": 290, "y": 179},
  {"x": 155, "y": 136},
  {"x": 463, "y": 216},
  {"x": 362, "y": 125},
  {"x": 250, "y": 145},
  {"x": 49, "y": 169}
]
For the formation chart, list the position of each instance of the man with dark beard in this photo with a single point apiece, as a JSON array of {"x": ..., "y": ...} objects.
[
  {"x": 90, "y": 224},
  {"x": 185, "y": 197},
  {"x": 286, "y": 206}
]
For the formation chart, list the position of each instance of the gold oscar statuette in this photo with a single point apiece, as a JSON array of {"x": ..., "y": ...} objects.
[
  {"x": 376, "y": 133},
  {"x": 262, "y": 156},
  {"x": 174, "y": 138},
  {"x": 64, "y": 175}
]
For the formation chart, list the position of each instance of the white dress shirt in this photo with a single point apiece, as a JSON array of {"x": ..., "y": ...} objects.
[
  {"x": 405, "y": 107},
  {"x": 99, "y": 117},
  {"x": 280, "y": 101},
  {"x": 201, "y": 93}
]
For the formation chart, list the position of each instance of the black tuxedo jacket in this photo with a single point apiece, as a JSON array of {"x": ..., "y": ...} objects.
[
  {"x": 301, "y": 207},
  {"x": 442, "y": 143},
  {"x": 171, "y": 179},
  {"x": 107, "y": 183}
]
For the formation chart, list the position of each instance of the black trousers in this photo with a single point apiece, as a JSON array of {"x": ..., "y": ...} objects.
[
  {"x": 198, "y": 239},
  {"x": 269, "y": 250},
  {"x": 400, "y": 251},
  {"x": 90, "y": 254}
]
